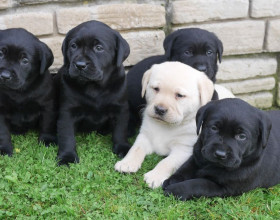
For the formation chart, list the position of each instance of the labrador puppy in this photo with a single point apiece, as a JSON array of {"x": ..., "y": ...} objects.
[
  {"x": 92, "y": 85},
  {"x": 174, "y": 93},
  {"x": 237, "y": 151},
  {"x": 195, "y": 47},
  {"x": 27, "y": 94}
]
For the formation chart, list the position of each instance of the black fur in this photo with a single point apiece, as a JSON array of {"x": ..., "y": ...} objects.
[
  {"x": 237, "y": 151},
  {"x": 27, "y": 94},
  {"x": 92, "y": 86},
  {"x": 193, "y": 46}
]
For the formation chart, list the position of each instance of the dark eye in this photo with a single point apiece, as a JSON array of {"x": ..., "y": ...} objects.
[
  {"x": 74, "y": 46},
  {"x": 178, "y": 95},
  {"x": 98, "y": 48},
  {"x": 214, "y": 128},
  {"x": 189, "y": 53},
  {"x": 209, "y": 52},
  {"x": 24, "y": 61},
  {"x": 240, "y": 137},
  {"x": 1, "y": 54},
  {"x": 156, "y": 89}
]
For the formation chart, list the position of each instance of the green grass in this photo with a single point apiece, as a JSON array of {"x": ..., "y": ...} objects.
[{"x": 33, "y": 187}]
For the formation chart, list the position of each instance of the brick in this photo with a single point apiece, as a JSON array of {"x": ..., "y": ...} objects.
[
  {"x": 39, "y": 23},
  {"x": 250, "y": 85},
  {"x": 55, "y": 44},
  {"x": 130, "y": 16},
  {"x": 259, "y": 100},
  {"x": 238, "y": 37},
  {"x": 143, "y": 44},
  {"x": 188, "y": 11},
  {"x": 244, "y": 68},
  {"x": 69, "y": 18},
  {"x": 117, "y": 16},
  {"x": 4, "y": 4},
  {"x": 273, "y": 36},
  {"x": 265, "y": 8}
]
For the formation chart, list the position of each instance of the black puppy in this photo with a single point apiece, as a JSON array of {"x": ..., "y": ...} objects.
[
  {"x": 237, "y": 151},
  {"x": 27, "y": 94},
  {"x": 92, "y": 85},
  {"x": 193, "y": 46}
]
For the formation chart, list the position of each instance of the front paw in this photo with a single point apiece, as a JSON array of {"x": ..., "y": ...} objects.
[
  {"x": 65, "y": 158},
  {"x": 178, "y": 191},
  {"x": 121, "y": 149},
  {"x": 125, "y": 166},
  {"x": 155, "y": 179},
  {"x": 172, "y": 180},
  {"x": 48, "y": 139},
  {"x": 6, "y": 150}
]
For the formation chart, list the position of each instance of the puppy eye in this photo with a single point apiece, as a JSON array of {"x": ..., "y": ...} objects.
[
  {"x": 98, "y": 48},
  {"x": 74, "y": 46},
  {"x": 241, "y": 137},
  {"x": 24, "y": 61},
  {"x": 1, "y": 54},
  {"x": 156, "y": 89},
  {"x": 209, "y": 52},
  {"x": 214, "y": 128},
  {"x": 178, "y": 95},
  {"x": 189, "y": 53}
]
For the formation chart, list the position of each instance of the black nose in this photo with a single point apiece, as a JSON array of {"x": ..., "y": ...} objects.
[
  {"x": 6, "y": 75},
  {"x": 201, "y": 67},
  {"x": 80, "y": 65},
  {"x": 160, "y": 110},
  {"x": 220, "y": 154}
]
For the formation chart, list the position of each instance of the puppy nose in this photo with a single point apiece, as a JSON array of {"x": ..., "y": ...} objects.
[
  {"x": 6, "y": 75},
  {"x": 220, "y": 154},
  {"x": 80, "y": 65},
  {"x": 201, "y": 67},
  {"x": 160, "y": 110}
]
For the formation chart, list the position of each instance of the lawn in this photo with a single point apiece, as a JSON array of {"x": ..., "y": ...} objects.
[{"x": 33, "y": 187}]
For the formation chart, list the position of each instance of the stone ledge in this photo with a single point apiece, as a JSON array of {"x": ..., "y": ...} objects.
[
  {"x": 265, "y": 8},
  {"x": 250, "y": 85},
  {"x": 244, "y": 68},
  {"x": 259, "y": 100},
  {"x": 238, "y": 37},
  {"x": 273, "y": 36},
  {"x": 198, "y": 10},
  {"x": 116, "y": 16}
]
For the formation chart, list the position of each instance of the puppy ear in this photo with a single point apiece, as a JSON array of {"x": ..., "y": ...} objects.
[
  {"x": 64, "y": 49},
  {"x": 168, "y": 42},
  {"x": 123, "y": 50},
  {"x": 265, "y": 127},
  {"x": 145, "y": 81},
  {"x": 200, "y": 116},
  {"x": 206, "y": 89},
  {"x": 46, "y": 57},
  {"x": 220, "y": 49}
]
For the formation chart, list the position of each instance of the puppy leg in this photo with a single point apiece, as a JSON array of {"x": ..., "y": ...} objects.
[
  {"x": 6, "y": 147},
  {"x": 167, "y": 166},
  {"x": 136, "y": 155},
  {"x": 185, "y": 172},
  {"x": 120, "y": 142},
  {"x": 194, "y": 188},
  {"x": 48, "y": 125},
  {"x": 66, "y": 140}
]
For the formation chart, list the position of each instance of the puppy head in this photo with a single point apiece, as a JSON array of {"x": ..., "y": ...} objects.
[
  {"x": 22, "y": 58},
  {"x": 195, "y": 47},
  {"x": 92, "y": 50},
  {"x": 175, "y": 91},
  {"x": 233, "y": 132}
]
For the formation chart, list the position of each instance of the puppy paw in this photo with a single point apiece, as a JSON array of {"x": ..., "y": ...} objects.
[
  {"x": 6, "y": 150},
  {"x": 48, "y": 139},
  {"x": 67, "y": 157},
  {"x": 172, "y": 180},
  {"x": 121, "y": 149},
  {"x": 155, "y": 179},
  {"x": 178, "y": 191},
  {"x": 125, "y": 166}
]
